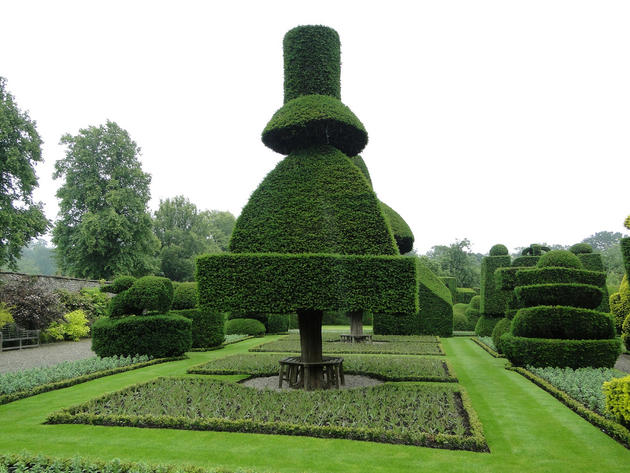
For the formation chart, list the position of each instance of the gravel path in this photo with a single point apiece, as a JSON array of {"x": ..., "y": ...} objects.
[
  {"x": 623, "y": 363},
  {"x": 45, "y": 355}
]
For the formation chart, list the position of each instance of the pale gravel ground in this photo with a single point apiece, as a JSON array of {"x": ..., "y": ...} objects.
[
  {"x": 271, "y": 382},
  {"x": 45, "y": 355},
  {"x": 623, "y": 363}
]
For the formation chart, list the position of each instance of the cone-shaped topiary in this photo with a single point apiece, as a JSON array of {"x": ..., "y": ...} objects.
[
  {"x": 312, "y": 236},
  {"x": 556, "y": 324}
]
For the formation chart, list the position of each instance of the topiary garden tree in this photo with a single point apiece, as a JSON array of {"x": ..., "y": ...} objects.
[
  {"x": 493, "y": 300},
  {"x": 313, "y": 236},
  {"x": 557, "y": 324},
  {"x": 593, "y": 262}
]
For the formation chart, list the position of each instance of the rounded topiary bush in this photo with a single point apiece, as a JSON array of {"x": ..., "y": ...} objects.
[
  {"x": 581, "y": 248},
  {"x": 157, "y": 336},
  {"x": 185, "y": 296},
  {"x": 562, "y": 322},
  {"x": 120, "y": 306},
  {"x": 119, "y": 284},
  {"x": 151, "y": 294},
  {"x": 559, "y": 258},
  {"x": 277, "y": 323},
  {"x": 244, "y": 327},
  {"x": 460, "y": 322},
  {"x": 475, "y": 302},
  {"x": 502, "y": 326},
  {"x": 620, "y": 303},
  {"x": 499, "y": 250},
  {"x": 625, "y": 332},
  {"x": 208, "y": 328}
]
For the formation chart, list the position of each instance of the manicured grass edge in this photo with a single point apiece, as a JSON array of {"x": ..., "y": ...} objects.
[
  {"x": 609, "y": 427},
  {"x": 448, "y": 378},
  {"x": 43, "y": 388},
  {"x": 29, "y": 462},
  {"x": 473, "y": 442},
  {"x": 218, "y": 347},
  {"x": 441, "y": 352},
  {"x": 487, "y": 348}
]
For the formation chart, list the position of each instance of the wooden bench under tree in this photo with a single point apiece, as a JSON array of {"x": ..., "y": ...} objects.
[
  {"x": 11, "y": 334},
  {"x": 295, "y": 372}
]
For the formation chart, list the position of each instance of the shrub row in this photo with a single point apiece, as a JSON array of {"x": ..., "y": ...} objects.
[
  {"x": 609, "y": 427},
  {"x": 245, "y": 327},
  {"x": 25, "y": 462},
  {"x": 551, "y": 352},
  {"x": 488, "y": 345},
  {"x": 158, "y": 336}
]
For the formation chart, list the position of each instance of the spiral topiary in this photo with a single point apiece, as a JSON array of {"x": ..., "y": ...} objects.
[{"x": 556, "y": 324}]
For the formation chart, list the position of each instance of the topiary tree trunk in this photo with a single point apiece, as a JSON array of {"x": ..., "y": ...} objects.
[
  {"x": 310, "y": 325},
  {"x": 356, "y": 323}
]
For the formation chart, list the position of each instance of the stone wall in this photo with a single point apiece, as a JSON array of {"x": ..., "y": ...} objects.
[{"x": 50, "y": 283}]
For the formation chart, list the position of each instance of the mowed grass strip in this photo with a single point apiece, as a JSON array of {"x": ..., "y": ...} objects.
[
  {"x": 423, "y": 414},
  {"x": 387, "y": 368},
  {"x": 382, "y": 344}
]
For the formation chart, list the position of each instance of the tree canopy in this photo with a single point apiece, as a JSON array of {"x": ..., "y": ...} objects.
[
  {"x": 104, "y": 228},
  {"x": 458, "y": 261},
  {"x": 21, "y": 219},
  {"x": 186, "y": 232}
]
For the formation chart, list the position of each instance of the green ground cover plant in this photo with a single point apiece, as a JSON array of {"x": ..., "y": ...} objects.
[
  {"x": 582, "y": 384},
  {"x": 488, "y": 345},
  {"x": 388, "y": 368},
  {"x": 383, "y": 344},
  {"x": 407, "y": 413},
  {"x": 26, "y": 383}
]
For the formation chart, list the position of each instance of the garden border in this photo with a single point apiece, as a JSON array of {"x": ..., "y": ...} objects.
[
  {"x": 611, "y": 428},
  {"x": 43, "y": 388},
  {"x": 475, "y": 442},
  {"x": 487, "y": 348}
]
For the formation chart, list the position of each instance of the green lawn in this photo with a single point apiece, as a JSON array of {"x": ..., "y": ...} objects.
[{"x": 526, "y": 428}]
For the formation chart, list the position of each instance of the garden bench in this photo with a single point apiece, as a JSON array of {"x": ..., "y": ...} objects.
[
  {"x": 13, "y": 333},
  {"x": 294, "y": 371}
]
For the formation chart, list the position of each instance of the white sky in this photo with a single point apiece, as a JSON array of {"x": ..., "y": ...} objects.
[{"x": 498, "y": 121}]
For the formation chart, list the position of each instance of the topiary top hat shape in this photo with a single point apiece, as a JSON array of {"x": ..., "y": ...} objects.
[{"x": 313, "y": 113}]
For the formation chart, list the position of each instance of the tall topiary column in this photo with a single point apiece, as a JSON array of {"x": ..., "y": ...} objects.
[
  {"x": 493, "y": 301},
  {"x": 312, "y": 236},
  {"x": 557, "y": 324}
]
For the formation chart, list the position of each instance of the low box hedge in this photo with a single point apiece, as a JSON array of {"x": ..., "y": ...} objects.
[{"x": 157, "y": 335}]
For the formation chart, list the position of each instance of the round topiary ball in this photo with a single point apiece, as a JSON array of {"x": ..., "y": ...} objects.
[
  {"x": 475, "y": 302},
  {"x": 244, "y": 327},
  {"x": 460, "y": 322},
  {"x": 559, "y": 258},
  {"x": 499, "y": 250},
  {"x": 581, "y": 248},
  {"x": 185, "y": 296},
  {"x": 151, "y": 294}
]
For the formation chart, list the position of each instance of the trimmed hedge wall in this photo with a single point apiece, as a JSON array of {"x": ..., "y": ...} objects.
[
  {"x": 493, "y": 300},
  {"x": 400, "y": 229},
  {"x": 436, "y": 310},
  {"x": 208, "y": 328},
  {"x": 278, "y": 323},
  {"x": 245, "y": 327},
  {"x": 562, "y": 322},
  {"x": 451, "y": 283},
  {"x": 158, "y": 336},
  {"x": 540, "y": 352},
  {"x": 338, "y": 211},
  {"x": 526, "y": 277},
  {"x": 283, "y": 283},
  {"x": 525, "y": 261}
]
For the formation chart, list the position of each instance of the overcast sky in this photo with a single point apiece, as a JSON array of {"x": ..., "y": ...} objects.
[{"x": 497, "y": 121}]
